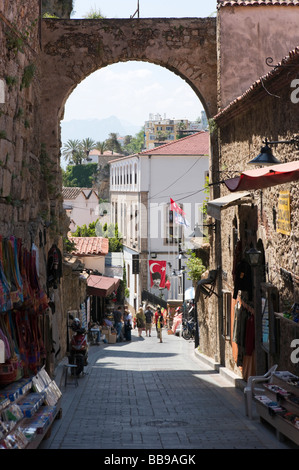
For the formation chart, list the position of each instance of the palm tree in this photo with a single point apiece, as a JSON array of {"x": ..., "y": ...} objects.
[
  {"x": 101, "y": 146},
  {"x": 87, "y": 145},
  {"x": 71, "y": 151}
]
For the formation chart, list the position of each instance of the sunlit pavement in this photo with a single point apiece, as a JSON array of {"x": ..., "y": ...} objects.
[{"x": 145, "y": 394}]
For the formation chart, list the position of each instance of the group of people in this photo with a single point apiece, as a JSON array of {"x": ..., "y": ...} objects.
[
  {"x": 144, "y": 321},
  {"x": 123, "y": 323}
]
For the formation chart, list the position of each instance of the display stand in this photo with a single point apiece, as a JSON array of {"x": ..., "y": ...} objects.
[
  {"x": 28, "y": 409},
  {"x": 279, "y": 405}
]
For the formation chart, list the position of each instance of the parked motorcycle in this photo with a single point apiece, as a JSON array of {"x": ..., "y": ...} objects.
[
  {"x": 78, "y": 346},
  {"x": 189, "y": 328}
]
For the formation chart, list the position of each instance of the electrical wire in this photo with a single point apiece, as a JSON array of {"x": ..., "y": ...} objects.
[{"x": 174, "y": 182}]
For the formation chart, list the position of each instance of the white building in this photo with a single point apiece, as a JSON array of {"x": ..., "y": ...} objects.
[
  {"x": 81, "y": 205},
  {"x": 141, "y": 187}
]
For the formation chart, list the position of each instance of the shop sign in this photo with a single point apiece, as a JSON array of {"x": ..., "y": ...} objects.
[
  {"x": 135, "y": 264},
  {"x": 284, "y": 213}
]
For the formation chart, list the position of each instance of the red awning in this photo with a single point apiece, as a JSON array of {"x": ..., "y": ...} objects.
[
  {"x": 101, "y": 286},
  {"x": 264, "y": 177}
]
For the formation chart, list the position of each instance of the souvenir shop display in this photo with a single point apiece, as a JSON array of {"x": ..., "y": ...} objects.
[
  {"x": 279, "y": 404},
  {"x": 293, "y": 313},
  {"x": 27, "y": 410},
  {"x": 22, "y": 303},
  {"x": 29, "y": 399}
]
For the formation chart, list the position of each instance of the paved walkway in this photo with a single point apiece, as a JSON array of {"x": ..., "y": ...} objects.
[{"x": 151, "y": 395}]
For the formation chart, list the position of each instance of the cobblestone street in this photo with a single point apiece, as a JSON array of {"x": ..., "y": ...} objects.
[{"x": 151, "y": 395}]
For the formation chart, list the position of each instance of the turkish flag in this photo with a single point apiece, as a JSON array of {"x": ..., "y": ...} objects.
[{"x": 157, "y": 273}]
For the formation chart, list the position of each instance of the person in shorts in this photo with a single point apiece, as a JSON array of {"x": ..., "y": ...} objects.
[{"x": 148, "y": 320}]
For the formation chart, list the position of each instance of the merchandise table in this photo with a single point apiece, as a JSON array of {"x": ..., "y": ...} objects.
[
  {"x": 279, "y": 405},
  {"x": 28, "y": 409}
]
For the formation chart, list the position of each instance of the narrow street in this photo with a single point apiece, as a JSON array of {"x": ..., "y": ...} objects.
[{"x": 151, "y": 395}]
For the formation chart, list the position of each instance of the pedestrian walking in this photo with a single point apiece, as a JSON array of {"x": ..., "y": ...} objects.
[
  {"x": 117, "y": 315},
  {"x": 148, "y": 320},
  {"x": 160, "y": 323},
  {"x": 140, "y": 321},
  {"x": 128, "y": 324},
  {"x": 157, "y": 315}
]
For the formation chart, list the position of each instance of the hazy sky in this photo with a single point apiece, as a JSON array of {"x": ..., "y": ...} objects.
[{"x": 132, "y": 90}]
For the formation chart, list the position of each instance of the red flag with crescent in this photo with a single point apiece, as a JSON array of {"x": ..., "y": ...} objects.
[{"x": 157, "y": 273}]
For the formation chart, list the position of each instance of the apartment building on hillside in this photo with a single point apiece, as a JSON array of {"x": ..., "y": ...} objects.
[{"x": 160, "y": 130}]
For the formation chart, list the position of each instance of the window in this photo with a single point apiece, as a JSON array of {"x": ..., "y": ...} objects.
[
  {"x": 116, "y": 215},
  {"x": 173, "y": 231},
  {"x": 135, "y": 174},
  {"x": 125, "y": 226}
]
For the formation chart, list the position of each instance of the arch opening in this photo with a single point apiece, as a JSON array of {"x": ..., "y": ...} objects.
[{"x": 129, "y": 92}]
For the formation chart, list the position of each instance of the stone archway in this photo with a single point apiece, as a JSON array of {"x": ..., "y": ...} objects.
[{"x": 73, "y": 49}]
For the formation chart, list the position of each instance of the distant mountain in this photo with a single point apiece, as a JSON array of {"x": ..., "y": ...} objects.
[{"x": 96, "y": 129}]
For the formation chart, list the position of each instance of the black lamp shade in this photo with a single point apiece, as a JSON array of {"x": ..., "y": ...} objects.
[
  {"x": 253, "y": 256},
  {"x": 265, "y": 158},
  {"x": 181, "y": 256},
  {"x": 197, "y": 233}
]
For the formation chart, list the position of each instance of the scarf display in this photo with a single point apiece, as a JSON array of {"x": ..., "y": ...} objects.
[{"x": 22, "y": 304}]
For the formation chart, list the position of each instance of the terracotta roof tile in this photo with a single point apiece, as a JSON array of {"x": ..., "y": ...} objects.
[
  {"x": 196, "y": 144},
  {"x": 225, "y": 3},
  {"x": 73, "y": 193},
  {"x": 90, "y": 246}
]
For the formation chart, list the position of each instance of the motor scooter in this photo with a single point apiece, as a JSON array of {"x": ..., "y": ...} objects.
[{"x": 78, "y": 346}]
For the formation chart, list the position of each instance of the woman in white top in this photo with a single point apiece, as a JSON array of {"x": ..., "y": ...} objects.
[{"x": 128, "y": 324}]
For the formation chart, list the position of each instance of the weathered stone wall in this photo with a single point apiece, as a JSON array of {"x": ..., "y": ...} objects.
[
  {"x": 20, "y": 144},
  {"x": 30, "y": 183},
  {"x": 264, "y": 114},
  {"x": 74, "y": 49}
]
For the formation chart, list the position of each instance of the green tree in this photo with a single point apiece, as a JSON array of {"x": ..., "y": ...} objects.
[
  {"x": 195, "y": 267},
  {"x": 207, "y": 192},
  {"x": 135, "y": 144},
  {"x": 80, "y": 176},
  {"x": 72, "y": 151},
  {"x": 162, "y": 136},
  {"x": 101, "y": 146},
  {"x": 106, "y": 231},
  {"x": 113, "y": 143},
  {"x": 180, "y": 128},
  {"x": 87, "y": 145}
]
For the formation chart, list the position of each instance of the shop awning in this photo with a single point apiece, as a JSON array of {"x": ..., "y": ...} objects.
[
  {"x": 264, "y": 177},
  {"x": 216, "y": 206},
  {"x": 101, "y": 286}
]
